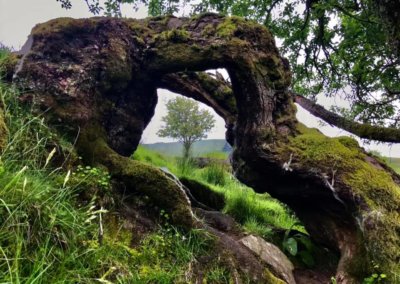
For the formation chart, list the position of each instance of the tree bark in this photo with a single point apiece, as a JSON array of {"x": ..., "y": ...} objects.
[
  {"x": 362, "y": 130},
  {"x": 107, "y": 71}
]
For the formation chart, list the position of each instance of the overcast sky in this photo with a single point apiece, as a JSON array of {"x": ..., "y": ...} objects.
[{"x": 17, "y": 17}]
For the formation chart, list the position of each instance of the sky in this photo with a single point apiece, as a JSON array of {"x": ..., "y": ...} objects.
[{"x": 17, "y": 17}]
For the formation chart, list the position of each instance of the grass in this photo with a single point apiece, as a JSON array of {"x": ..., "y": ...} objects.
[
  {"x": 49, "y": 234},
  {"x": 394, "y": 163},
  {"x": 217, "y": 155},
  {"x": 257, "y": 213},
  {"x": 215, "y": 174}
]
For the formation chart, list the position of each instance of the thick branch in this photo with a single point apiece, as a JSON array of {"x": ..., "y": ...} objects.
[
  {"x": 362, "y": 130},
  {"x": 212, "y": 91},
  {"x": 217, "y": 93}
]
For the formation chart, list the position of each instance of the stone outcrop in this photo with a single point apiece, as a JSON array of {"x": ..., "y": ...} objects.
[
  {"x": 271, "y": 255},
  {"x": 96, "y": 80}
]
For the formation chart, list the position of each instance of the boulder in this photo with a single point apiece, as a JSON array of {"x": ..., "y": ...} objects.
[{"x": 272, "y": 256}]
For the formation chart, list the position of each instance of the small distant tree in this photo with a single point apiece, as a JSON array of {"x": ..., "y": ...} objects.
[{"x": 186, "y": 122}]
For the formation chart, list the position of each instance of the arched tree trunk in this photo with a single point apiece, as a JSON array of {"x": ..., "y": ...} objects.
[{"x": 105, "y": 72}]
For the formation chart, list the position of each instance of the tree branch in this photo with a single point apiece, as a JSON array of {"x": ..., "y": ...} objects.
[
  {"x": 203, "y": 87},
  {"x": 362, "y": 130},
  {"x": 213, "y": 91}
]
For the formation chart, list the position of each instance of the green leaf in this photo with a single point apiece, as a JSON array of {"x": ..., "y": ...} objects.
[{"x": 291, "y": 246}]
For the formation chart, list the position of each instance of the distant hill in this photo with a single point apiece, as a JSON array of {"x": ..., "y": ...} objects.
[{"x": 199, "y": 148}]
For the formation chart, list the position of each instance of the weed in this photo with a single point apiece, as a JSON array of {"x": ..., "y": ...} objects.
[
  {"x": 215, "y": 174},
  {"x": 299, "y": 245},
  {"x": 92, "y": 177},
  {"x": 185, "y": 166},
  {"x": 376, "y": 277}
]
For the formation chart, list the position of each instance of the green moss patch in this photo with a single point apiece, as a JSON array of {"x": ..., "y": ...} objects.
[
  {"x": 63, "y": 24},
  {"x": 380, "y": 218}
]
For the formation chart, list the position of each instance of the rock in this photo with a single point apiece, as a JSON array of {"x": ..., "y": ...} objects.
[
  {"x": 219, "y": 221},
  {"x": 272, "y": 256}
]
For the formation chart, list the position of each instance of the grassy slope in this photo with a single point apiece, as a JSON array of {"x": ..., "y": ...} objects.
[
  {"x": 258, "y": 213},
  {"x": 49, "y": 234}
]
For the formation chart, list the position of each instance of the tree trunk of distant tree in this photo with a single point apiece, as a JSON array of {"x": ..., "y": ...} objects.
[
  {"x": 97, "y": 80},
  {"x": 186, "y": 149}
]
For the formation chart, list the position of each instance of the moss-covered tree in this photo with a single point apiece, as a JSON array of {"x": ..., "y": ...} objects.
[
  {"x": 96, "y": 79},
  {"x": 346, "y": 47}
]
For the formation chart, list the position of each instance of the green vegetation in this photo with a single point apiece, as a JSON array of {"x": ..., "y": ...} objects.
[
  {"x": 373, "y": 184},
  {"x": 215, "y": 174},
  {"x": 258, "y": 213},
  {"x": 59, "y": 224},
  {"x": 50, "y": 217},
  {"x": 186, "y": 122}
]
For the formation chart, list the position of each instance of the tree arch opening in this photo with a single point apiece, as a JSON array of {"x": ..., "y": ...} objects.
[{"x": 151, "y": 136}]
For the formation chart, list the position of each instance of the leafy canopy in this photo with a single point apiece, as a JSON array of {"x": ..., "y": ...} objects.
[{"x": 186, "y": 122}]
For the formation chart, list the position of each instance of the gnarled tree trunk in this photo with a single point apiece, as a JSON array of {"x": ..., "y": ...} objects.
[{"x": 97, "y": 79}]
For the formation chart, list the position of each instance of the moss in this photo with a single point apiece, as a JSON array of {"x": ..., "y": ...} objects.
[
  {"x": 63, "y": 24},
  {"x": 178, "y": 56},
  {"x": 136, "y": 176},
  {"x": 163, "y": 191},
  {"x": 139, "y": 29},
  {"x": 114, "y": 230},
  {"x": 227, "y": 28},
  {"x": 349, "y": 142},
  {"x": 271, "y": 278},
  {"x": 204, "y": 193},
  {"x": 117, "y": 65},
  {"x": 174, "y": 35},
  {"x": 8, "y": 63},
  {"x": 271, "y": 67},
  {"x": 208, "y": 30},
  {"x": 380, "y": 219},
  {"x": 344, "y": 154}
]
